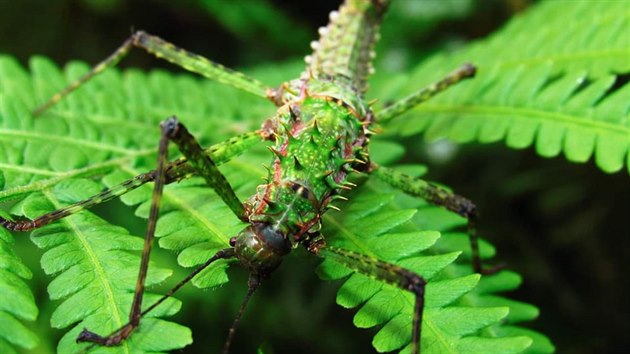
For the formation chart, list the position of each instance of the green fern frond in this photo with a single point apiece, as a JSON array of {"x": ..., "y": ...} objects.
[
  {"x": 463, "y": 314},
  {"x": 110, "y": 128},
  {"x": 13, "y": 332},
  {"x": 551, "y": 78},
  {"x": 95, "y": 266}
]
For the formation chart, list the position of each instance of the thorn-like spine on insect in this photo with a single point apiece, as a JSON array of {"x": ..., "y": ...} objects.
[
  {"x": 328, "y": 173},
  {"x": 276, "y": 152},
  {"x": 272, "y": 205},
  {"x": 336, "y": 185},
  {"x": 333, "y": 207},
  {"x": 297, "y": 164},
  {"x": 316, "y": 129},
  {"x": 339, "y": 197},
  {"x": 349, "y": 169}
]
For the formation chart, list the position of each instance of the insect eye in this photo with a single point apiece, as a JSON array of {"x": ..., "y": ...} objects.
[
  {"x": 273, "y": 238},
  {"x": 233, "y": 241}
]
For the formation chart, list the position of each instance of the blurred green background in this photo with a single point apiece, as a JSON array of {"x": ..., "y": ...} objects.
[{"x": 565, "y": 227}]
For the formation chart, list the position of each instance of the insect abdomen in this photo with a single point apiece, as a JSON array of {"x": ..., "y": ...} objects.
[{"x": 346, "y": 46}]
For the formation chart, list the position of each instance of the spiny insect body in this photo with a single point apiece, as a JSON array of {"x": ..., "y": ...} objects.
[{"x": 320, "y": 135}]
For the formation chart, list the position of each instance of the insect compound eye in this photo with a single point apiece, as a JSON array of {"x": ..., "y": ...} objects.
[
  {"x": 273, "y": 238},
  {"x": 233, "y": 241}
]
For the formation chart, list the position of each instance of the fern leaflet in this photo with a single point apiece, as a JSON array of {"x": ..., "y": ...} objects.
[{"x": 551, "y": 78}]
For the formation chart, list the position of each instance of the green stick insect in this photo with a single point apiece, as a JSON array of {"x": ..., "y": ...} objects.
[{"x": 320, "y": 135}]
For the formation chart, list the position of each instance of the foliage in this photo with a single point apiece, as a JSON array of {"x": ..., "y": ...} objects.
[
  {"x": 109, "y": 129},
  {"x": 542, "y": 81},
  {"x": 89, "y": 140}
]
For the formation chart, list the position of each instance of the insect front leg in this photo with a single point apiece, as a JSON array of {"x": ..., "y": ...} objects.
[
  {"x": 165, "y": 50},
  {"x": 438, "y": 196},
  {"x": 383, "y": 271},
  {"x": 203, "y": 164}
]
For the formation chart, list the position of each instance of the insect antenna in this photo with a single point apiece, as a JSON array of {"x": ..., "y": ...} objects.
[{"x": 252, "y": 285}]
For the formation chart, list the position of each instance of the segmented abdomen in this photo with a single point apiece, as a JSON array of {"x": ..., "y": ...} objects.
[{"x": 345, "y": 48}]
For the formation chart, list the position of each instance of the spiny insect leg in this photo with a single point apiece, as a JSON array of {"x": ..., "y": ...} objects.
[
  {"x": 383, "y": 271},
  {"x": 202, "y": 163},
  {"x": 438, "y": 196},
  {"x": 175, "y": 171},
  {"x": 409, "y": 102},
  {"x": 106, "y": 195},
  {"x": 136, "y": 308},
  {"x": 165, "y": 50},
  {"x": 112, "y": 339}
]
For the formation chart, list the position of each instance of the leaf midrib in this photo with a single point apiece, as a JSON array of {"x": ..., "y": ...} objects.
[
  {"x": 99, "y": 271},
  {"x": 585, "y": 55},
  {"x": 530, "y": 113},
  {"x": 57, "y": 177},
  {"x": 12, "y": 134}
]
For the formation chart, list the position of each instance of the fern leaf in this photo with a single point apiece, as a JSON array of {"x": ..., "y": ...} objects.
[
  {"x": 374, "y": 224},
  {"x": 95, "y": 274},
  {"x": 552, "y": 78},
  {"x": 110, "y": 128},
  {"x": 13, "y": 273}
]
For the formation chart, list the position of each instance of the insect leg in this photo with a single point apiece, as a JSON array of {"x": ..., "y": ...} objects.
[
  {"x": 116, "y": 337},
  {"x": 106, "y": 195},
  {"x": 383, "y": 271},
  {"x": 175, "y": 171},
  {"x": 136, "y": 308},
  {"x": 203, "y": 164},
  {"x": 409, "y": 102},
  {"x": 252, "y": 285},
  {"x": 441, "y": 197},
  {"x": 165, "y": 50}
]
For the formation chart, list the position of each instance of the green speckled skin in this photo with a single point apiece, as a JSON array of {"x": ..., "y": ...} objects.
[
  {"x": 318, "y": 140},
  {"x": 322, "y": 127},
  {"x": 346, "y": 47}
]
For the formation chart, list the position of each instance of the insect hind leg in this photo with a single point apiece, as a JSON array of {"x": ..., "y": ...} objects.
[
  {"x": 386, "y": 272},
  {"x": 441, "y": 197}
]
